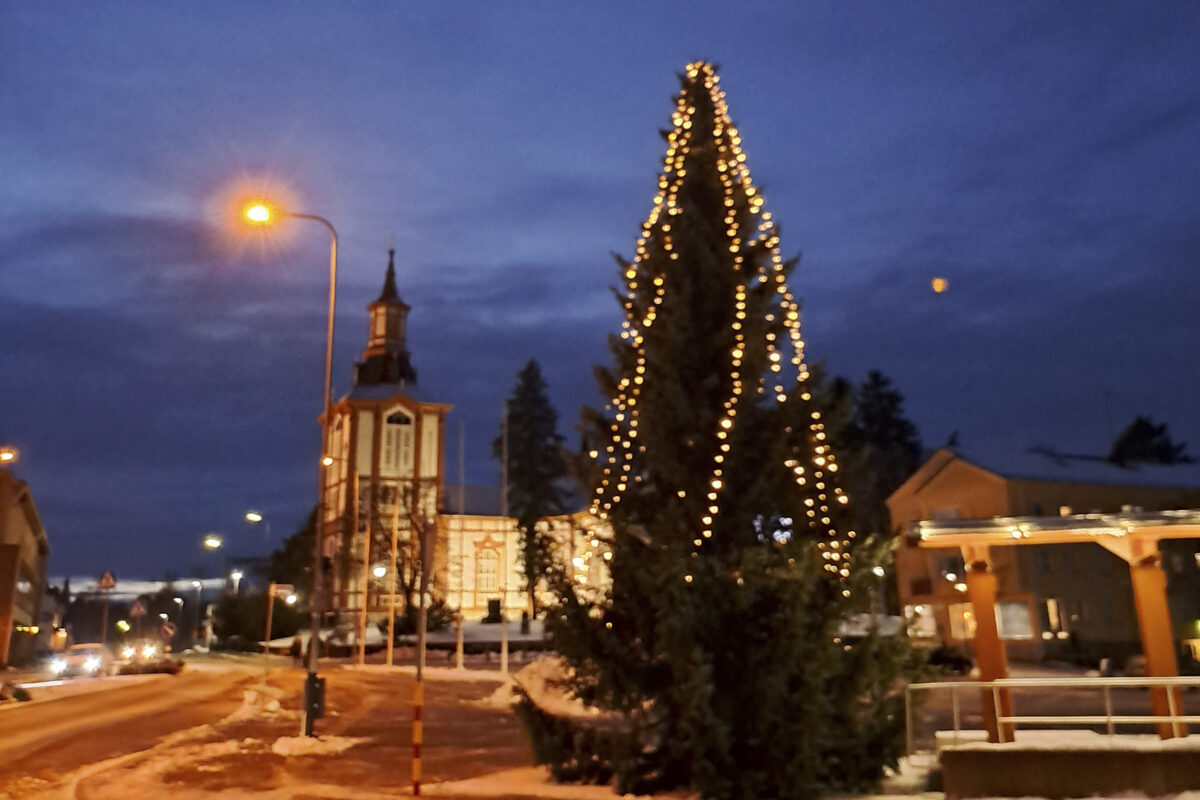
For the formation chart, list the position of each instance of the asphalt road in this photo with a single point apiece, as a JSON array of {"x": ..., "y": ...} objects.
[{"x": 41, "y": 741}]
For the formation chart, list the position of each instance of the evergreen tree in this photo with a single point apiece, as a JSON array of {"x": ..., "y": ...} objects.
[
  {"x": 1143, "y": 441},
  {"x": 536, "y": 468},
  {"x": 880, "y": 449},
  {"x": 716, "y": 651},
  {"x": 292, "y": 561}
]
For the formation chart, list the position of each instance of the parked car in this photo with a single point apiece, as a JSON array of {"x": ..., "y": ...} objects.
[{"x": 90, "y": 659}]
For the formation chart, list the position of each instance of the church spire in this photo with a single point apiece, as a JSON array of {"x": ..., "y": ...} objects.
[
  {"x": 386, "y": 360},
  {"x": 389, "y": 292}
]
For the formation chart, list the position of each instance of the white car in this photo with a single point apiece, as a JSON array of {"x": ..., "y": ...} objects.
[{"x": 89, "y": 660}]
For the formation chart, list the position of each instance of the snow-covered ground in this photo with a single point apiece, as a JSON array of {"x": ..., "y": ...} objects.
[{"x": 43, "y": 690}]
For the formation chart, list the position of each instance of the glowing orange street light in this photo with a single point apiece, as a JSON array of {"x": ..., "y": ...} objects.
[
  {"x": 8, "y": 454},
  {"x": 259, "y": 213},
  {"x": 265, "y": 213},
  {"x": 939, "y": 285}
]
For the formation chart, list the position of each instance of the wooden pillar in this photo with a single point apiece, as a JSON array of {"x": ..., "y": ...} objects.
[
  {"x": 1158, "y": 641},
  {"x": 989, "y": 650}
]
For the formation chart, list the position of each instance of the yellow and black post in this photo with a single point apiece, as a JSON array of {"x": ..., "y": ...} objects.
[{"x": 417, "y": 735}]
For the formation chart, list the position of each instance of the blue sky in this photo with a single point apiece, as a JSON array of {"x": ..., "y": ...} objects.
[{"x": 161, "y": 373}]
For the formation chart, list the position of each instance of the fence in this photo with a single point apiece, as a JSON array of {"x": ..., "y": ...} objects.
[{"x": 1177, "y": 716}]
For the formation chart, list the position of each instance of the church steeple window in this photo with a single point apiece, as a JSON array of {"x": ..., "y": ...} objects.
[{"x": 397, "y": 452}]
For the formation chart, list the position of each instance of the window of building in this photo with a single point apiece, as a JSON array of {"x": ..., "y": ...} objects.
[
  {"x": 1054, "y": 619},
  {"x": 962, "y": 621},
  {"x": 397, "y": 450},
  {"x": 487, "y": 563},
  {"x": 1012, "y": 617}
]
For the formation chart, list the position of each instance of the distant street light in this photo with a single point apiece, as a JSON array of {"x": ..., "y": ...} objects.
[
  {"x": 379, "y": 571},
  {"x": 236, "y": 576},
  {"x": 257, "y": 518},
  {"x": 213, "y": 541},
  {"x": 263, "y": 213},
  {"x": 8, "y": 454},
  {"x": 291, "y": 599}
]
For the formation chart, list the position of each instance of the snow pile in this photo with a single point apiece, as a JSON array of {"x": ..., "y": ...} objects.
[
  {"x": 544, "y": 682},
  {"x": 503, "y": 698},
  {"x": 1076, "y": 740},
  {"x": 432, "y": 673},
  {"x": 313, "y": 745},
  {"x": 260, "y": 702},
  {"x": 526, "y": 782}
]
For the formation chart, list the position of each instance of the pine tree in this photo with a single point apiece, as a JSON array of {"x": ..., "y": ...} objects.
[
  {"x": 1143, "y": 441},
  {"x": 880, "y": 449},
  {"x": 717, "y": 648},
  {"x": 536, "y": 469}
]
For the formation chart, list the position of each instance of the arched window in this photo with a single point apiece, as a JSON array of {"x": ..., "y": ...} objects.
[
  {"x": 397, "y": 455},
  {"x": 487, "y": 568}
]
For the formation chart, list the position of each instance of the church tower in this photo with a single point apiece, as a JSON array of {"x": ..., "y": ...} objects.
[{"x": 385, "y": 487}]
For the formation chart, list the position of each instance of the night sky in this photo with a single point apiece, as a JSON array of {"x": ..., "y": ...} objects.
[{"x": 161, "y": 370}]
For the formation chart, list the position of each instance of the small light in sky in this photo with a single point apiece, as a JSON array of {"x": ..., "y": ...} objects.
[
  {"x": 940, "y": 285},
  {"x": 8, "y": 454}
]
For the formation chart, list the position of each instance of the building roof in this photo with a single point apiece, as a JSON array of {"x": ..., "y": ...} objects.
[
  {"x": 1043, "y": 464},
  {"x": 484, "y": 501},
  {"x": 479, "y": 501},
  {"x": 389, "y": 293}
]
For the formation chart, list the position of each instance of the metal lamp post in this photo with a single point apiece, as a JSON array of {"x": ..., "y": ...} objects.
[{"x": 314, "y": 688}]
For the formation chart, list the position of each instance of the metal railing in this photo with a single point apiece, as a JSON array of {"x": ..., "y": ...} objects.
[{"x": 1176, "y": 716}]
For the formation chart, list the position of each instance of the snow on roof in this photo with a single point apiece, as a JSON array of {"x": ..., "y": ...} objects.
[
  {"x": 1041, "y": 464},
  {"x": 386, "y": 391}
]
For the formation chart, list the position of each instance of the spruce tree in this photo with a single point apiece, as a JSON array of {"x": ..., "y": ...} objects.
[
  {"x": 535, "y": 471},
  {"x": 716, "y": 651}
]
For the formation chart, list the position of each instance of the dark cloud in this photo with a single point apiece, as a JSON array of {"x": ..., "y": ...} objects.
[{"x": 162, "y": 374}]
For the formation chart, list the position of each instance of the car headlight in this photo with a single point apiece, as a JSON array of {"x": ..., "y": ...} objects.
[
  {"x": 91, "y": 663},
  {"x": 57, "y": 666},
  {"x": 149, "y": 651},
  {"x": 128, "y": 652}
]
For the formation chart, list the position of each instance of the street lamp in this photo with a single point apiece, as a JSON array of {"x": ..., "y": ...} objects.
[
  {"x": 256, "y": 518},
  {"x": 262, "y": 213},
  {"x": 236, "y": 576},
  {"x": 213, "y": 541},
  {"x": 379, "y": 571},
  {"x": 8, "y": 454}
]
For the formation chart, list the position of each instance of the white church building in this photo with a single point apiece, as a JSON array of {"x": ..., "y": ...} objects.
[{"x": 387, "y": 487}]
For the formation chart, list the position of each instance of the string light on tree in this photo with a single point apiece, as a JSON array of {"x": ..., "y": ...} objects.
[{"x": 766, "y": 364}]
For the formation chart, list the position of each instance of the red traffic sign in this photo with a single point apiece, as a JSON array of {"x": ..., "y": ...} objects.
[
  {"x": 107, "y": 581},
  {"x": 138, "y": 610}
]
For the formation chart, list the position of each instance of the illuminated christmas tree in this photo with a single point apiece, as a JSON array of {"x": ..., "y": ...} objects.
[{"x": 717, "y": 649}]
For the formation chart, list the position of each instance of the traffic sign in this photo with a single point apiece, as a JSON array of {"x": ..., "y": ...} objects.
[
  {"x": 138, "y": 610},
  {"x": 107, "y": 581},
  {"x": 284, "y": 589}
]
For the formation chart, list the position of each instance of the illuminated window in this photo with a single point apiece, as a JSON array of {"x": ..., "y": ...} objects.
[
  {"x": 397, "y": 442},
  {"x": 487, "y": 563},
  {"x": 1013, "y": 620},
  {"x": 962, "y": 621}
]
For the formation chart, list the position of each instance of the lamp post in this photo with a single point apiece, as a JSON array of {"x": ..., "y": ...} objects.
[
  {"x": 314, "y": 690},
  {"x": 236, "y": 576}
]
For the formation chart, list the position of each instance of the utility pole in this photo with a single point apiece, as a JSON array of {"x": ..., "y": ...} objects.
[{"x": 504, "y": 563}]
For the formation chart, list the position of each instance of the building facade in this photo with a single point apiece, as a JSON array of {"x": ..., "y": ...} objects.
[
  {"x": 23, "y": 553},
  {"x": 1061, "y": 601},
  {"x": 387, "y": 502}
]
